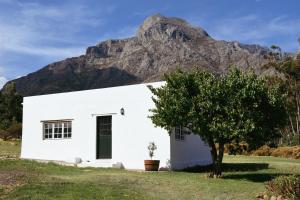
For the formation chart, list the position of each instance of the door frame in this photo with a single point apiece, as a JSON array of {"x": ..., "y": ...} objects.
[{"x": 97, "y": 136}]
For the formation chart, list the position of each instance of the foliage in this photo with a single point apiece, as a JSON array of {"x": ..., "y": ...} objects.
[
  {"x": 286, "y": 152},
  {"x": 13, "y": 131},
  {"x": 287, "y": 186},
  {"x": 10, "y": 112},
  {"x": 289, "y": 67},
  {"x": 151, "y": 147},
  {"x": 235, "y": 106},
  {"x": 262, "y": 151},
  {"x": 236, "y": 148}
]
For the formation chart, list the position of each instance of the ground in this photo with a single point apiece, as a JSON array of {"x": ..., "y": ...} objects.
[{"x": 21, "y": 179}]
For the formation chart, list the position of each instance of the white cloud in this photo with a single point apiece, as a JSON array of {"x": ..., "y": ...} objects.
[
  {"x": 48, "y": 30},
  {"x": 3, "y": 80},
  {"x": 255, "y": 29}
]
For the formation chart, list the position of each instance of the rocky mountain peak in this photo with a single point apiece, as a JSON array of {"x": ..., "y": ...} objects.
[
  {"x": 161, "y": 45},
  {"x": 159, "y": 27}
]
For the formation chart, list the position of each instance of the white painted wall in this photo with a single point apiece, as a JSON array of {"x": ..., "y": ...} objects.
[
  {"x": 131, "y": 133},
  {"x": 189, "y": 152}
]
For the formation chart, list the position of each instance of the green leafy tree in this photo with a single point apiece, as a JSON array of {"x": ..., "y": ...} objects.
[
  {"x": 10, "y": 112},
  {"x": 221, "y": 109},
  {"x": 289, "y": 69}
]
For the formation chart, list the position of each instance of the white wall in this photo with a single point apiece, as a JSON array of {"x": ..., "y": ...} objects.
[
  {"x": 131, "y": 133},
  {"x": 189, "y": 152}
]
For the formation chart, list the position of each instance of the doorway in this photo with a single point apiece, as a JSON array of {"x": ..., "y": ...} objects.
[{"x": 104, "y": 137}]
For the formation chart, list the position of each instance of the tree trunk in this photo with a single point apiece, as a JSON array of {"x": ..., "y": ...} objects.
[
  {"x": 218, "y": 164},
  {"x": 217, "y": 157}
]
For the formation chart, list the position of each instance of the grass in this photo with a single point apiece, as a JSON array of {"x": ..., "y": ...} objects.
[
  {"x": 10, "y": 149},
  {"x": 244, "y": 178}
]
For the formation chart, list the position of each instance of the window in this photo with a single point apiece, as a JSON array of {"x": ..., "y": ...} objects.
[
  {"x": 180, "y": 132},
  {"x": 48, "y": 131},
  {"x": 57, "y": 130},
  {"x": 67, "y": 129}
]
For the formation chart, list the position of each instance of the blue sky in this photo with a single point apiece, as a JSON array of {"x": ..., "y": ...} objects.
[{"x": 36, "y": 33}]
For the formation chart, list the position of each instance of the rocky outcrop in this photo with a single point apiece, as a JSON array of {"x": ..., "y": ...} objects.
[{"x": 161, "y": 45}]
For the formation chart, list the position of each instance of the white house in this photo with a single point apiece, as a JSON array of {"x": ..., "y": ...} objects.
[{"x": 103, "y": 128}]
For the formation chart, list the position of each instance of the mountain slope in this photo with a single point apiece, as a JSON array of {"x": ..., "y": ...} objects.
[{"x": 161, "y": 45}]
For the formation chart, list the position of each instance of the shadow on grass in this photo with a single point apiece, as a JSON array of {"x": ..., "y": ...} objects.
[
  {"x": 254, "y": 177},
  {"x": 230, "y": 167},
  {"x": 240, "y": 171}
]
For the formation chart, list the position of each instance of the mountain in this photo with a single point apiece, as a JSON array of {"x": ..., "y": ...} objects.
[{"x": 161, "y": 45}]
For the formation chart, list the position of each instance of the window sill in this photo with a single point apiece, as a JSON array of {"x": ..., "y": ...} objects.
[{"x": 58, "y": 139}]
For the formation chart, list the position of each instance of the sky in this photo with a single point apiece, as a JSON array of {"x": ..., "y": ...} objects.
[{"x": 34, "y": 33}]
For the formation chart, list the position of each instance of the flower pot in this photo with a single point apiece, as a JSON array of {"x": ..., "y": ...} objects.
[{"x": 151, "y": 165}]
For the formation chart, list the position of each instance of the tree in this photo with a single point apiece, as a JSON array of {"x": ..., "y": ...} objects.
[
  {"x": 289, "y": 67},
  {"x": 221, "y": 109},
  {"x": 10, "y": 112}
]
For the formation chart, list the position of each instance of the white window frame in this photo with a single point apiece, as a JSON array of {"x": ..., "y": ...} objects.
[
  {"x": 59, "y": 130},
  {"x": 47, "y": 131},
  {"x": 180, "y": 132},
  {"x": 67, "y": 129}
]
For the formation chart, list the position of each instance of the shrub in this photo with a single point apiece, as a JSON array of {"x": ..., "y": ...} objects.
[
  {"x": 13, "y": 131},
  {"x": 286, "y": 186},
  {"x": 262, "y": 151},
  {"x": 287, "y": 152},
  {"x": 236, "y": 148}
]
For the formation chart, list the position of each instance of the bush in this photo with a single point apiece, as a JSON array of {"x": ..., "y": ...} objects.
[
  {"x": 13, "y": 131},
  {"x": 262, "y": 151},
  {"x": 287, "y": 152},
  {"x": 236, "y": 149},
  {"x": 286, "y": 186}
]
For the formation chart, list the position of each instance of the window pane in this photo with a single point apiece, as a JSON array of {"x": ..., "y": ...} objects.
[
  {"x": 57, "y": 130},
  {"x": 177, "y": 133},
  {"x": 180, "y": 132}
]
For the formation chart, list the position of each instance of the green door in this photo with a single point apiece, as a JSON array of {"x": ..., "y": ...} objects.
[{"x": 104, "y": 140}]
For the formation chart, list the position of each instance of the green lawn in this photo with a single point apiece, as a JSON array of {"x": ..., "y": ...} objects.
[{"x": 21, "y": 179}]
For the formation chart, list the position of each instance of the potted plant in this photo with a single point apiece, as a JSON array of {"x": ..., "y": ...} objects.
[{"x": 151, "y": 165}]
